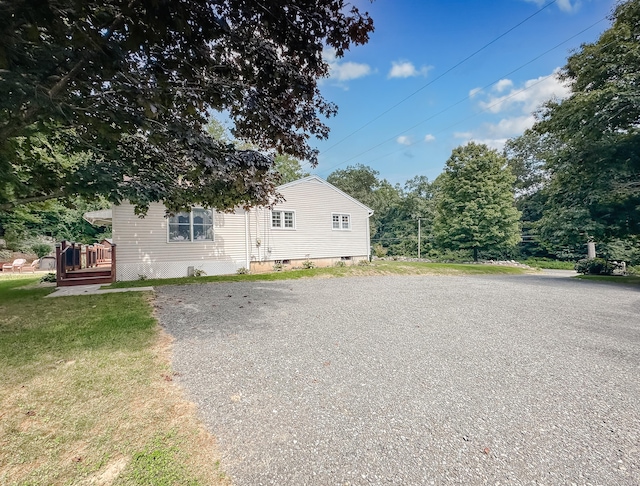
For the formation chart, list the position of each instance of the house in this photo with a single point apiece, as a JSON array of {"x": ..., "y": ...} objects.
[{"x": 316, "y": 221}]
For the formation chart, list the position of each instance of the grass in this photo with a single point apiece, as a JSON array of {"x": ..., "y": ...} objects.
[
  {"x": 633, "y": 281},
  {"x": 548, "y": 264},
  {"x": 86, "y": 395},
  {"x": 376, "y": 268}
]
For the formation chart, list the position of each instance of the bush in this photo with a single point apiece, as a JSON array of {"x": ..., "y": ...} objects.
[
  {"x": 339, "y": 263},
  {"x": 594, "y": 266},
  {"x": 308, "y": 264},
  {"x": 633, "y": 270},
  {"x": 41, "y": 249},
  {"x": 49, "y": 277},
  {"x": 364, "y": 263},
  {"x": 242, "y": 271},
  {"x": 379, "y": 250}
]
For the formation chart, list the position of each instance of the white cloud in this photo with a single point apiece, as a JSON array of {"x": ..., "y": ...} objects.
[
  {"x": 494, "y": 143},
  {"x": 564, "y": 5},
  {"x": 567, "y": 6},
  {"x": 403, "y": 140},
  {"x": 463, "y": 134},
  {"x": 529, "y": 97},
  {"x": 508, "y": 127},
  {"x": 495, "y": 135},
  {"x": 406, "y": 69},
  {"x": 344, "y": 71},
  {"x": 503, "y": 84},
  {"x": 349, "y": 70},
  {"x": 474, "y": 92},
  {"x": 429, "y": 138}
]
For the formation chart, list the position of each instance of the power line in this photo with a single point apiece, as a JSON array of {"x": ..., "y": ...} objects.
[
  {"x": 466, "y": 98},
  {"x": 441, "y": 75}
]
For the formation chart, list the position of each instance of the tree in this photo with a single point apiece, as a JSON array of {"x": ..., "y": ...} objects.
[
  {"x": 527, "y": 157},
  {"x": 400, "y": 224},
  {"x": 359, "y": 181},
  {"x": 112, "y": 97},
  {"x": 30, "y": 223},
  {"x": 475, "y": 202},
  {"x": 288, "y": 168},
  {"x": 595, "y": 172}
]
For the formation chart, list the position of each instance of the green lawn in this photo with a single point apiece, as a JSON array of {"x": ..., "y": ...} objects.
[
  {"x": 548, "y": 264},
  {"x": 380, "y": 267},
  {"x": 86, "y": 394},
  {"x": 633, "y": 281}
]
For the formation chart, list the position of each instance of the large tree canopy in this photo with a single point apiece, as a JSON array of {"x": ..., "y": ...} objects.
[
  {"x": 595, "y": 172},
  {"x": 475, "y": 202},
  {"x": 112, "y": 97}
]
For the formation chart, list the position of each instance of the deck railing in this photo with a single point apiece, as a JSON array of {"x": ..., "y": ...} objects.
[{"x": 74, "y": 257}]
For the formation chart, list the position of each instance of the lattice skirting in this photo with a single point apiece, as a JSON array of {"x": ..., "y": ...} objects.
[{"x": 133, "y": 271}]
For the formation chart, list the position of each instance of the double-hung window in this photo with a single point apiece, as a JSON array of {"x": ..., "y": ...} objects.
[
  {"x": 283, "y": 219},
  {"x": 340, "y": 221},
  {"x": 196, "y": 225}
]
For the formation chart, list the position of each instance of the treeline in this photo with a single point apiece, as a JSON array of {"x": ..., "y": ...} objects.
[{"x": 575, "y": 174}]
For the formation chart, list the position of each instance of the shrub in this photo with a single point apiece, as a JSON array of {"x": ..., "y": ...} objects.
[
  {"x": 379, "y": 250},
  {"x": 142, "y": 277},
  {"x": 242, "y": 271},
  {"x": 364, "y": 263},
  {"x": 199, "y": 272},
  {"x": 594, "y": 266},
  {"x": 308, "y": 264},
  {"x": 339, "y": 263},
  {"x": 41, "y": 249},
  {"x": 633, "y": 270},
  {"x": 49, "y": 277},
  {"x": 277, "y": 267}
]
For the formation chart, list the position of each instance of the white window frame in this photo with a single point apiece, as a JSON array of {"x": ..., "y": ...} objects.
[
  {"x": 282, "y": 219},
  {"x": 340, "y": 216},
  {"x": 191, "y": 234}
]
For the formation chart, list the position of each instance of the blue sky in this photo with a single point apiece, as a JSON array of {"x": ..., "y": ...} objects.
[{"x": 413, "y": 55}]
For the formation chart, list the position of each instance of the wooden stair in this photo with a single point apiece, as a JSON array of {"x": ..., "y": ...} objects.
[
  {"x": 87, "y": 276},
  {"x": 71, "y": 257}
]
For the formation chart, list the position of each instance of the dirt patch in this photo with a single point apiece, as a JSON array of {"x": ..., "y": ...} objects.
[{"x": 108, "y": 475}]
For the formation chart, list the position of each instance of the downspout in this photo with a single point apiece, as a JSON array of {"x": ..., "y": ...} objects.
[
  {"x": 369, "y": 237},
  {"x": 247, "y": 240}
]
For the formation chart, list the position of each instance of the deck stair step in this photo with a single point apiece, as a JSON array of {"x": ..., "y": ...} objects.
[
  {"x": 84, "y": 273},
  {"x": 100, "y": 279}
]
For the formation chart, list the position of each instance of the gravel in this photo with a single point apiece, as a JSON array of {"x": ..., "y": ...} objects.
[{"x": 513, "y": 380}]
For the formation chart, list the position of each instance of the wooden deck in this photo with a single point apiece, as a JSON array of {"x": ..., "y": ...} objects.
[{"x": 79, "y": 264}]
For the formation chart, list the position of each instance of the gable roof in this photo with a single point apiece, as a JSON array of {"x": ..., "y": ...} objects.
[{"x": 322, "y": 181}]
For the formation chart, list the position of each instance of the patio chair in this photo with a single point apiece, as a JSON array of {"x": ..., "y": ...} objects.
[
  {"x": 32, "y": 267},
  {"x": 17, "y": 264}
]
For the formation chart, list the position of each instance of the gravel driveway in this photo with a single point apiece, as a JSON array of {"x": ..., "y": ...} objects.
[{"x": 414, "y": 380}]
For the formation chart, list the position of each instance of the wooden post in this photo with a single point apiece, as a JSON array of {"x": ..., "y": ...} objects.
[
  {"x": 59, "y": 264},
  {"x": 113, "y": 262}
]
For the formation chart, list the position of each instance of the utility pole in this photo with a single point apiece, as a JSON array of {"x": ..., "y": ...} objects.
[{"x": 418, "y": 238}]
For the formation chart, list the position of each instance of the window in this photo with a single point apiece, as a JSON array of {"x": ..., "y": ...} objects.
[
  {"x": 194, "y": 226},
  {"x": 341, "y": 221},
  {"x": 283, "y": 219}
]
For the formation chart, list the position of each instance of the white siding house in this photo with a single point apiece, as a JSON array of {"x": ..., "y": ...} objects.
[{"x": 316, "y": 222}]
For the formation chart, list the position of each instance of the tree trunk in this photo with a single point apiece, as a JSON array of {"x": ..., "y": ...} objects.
[{"x": 475, "y": 253}]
